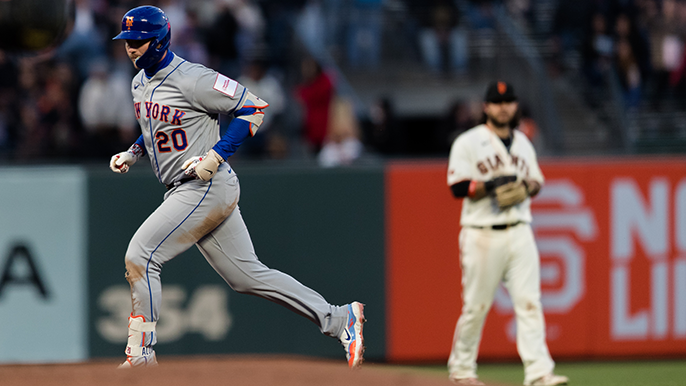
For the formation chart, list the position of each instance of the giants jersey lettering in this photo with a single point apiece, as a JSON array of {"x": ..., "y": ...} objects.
[
  {"x": 478, "y": 154},
  {"x": 177, "y": 108}
]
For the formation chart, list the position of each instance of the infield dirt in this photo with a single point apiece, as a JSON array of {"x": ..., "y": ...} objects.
[{"x": 218, "y": 370}]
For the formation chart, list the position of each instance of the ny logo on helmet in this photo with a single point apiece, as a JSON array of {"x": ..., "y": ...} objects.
[{"x": 129, "y": 22}]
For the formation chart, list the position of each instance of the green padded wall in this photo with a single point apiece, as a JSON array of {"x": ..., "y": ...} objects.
[{"x": 325, "y": 227}]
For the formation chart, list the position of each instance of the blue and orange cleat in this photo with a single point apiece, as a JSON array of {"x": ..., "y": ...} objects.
[
  {"x": 352, "y": 338},
  {"x": 149, "y": 360}
]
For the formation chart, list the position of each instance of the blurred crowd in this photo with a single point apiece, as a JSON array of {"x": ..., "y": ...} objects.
[
  {"x": 74, "y": 104},
  {"x": 638, "y": 42}
]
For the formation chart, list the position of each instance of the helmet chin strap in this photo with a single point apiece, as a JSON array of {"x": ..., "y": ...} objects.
[
  {"x": 150, "y": 57},
  {"x": 163, "y": 62}
]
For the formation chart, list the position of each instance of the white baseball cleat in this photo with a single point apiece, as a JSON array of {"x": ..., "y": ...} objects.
[
  {"x": 549, "y": 380},
  {"x": 467, "y": 381},
  {"x": 139, "y": 361},
  {"x": 352, "y": 338}
]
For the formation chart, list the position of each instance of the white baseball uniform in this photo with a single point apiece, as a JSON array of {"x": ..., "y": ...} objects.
[{"x": 497, "y": 246}]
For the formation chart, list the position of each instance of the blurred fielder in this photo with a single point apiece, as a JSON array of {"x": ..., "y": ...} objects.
[{"x": 494, "y": 168}]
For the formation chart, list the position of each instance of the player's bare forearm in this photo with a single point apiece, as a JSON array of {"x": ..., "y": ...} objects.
[
  {"x": 479, "y": 191},
  {"x": 532, "y": 187}
]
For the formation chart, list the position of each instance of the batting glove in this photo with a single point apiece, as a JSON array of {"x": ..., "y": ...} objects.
[
  {"x": 121, "y": 162},
  {"x": 203, "y": 168}
]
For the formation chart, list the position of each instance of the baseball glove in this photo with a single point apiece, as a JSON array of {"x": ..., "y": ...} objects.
[
  {"x": 498, "y": 181},
  {"x": 510, "y": 194}
]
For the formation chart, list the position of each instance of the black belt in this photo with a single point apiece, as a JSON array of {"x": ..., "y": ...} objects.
[
  {"x": 497, "y": 227},
  {"x": 179, "y": 182}
]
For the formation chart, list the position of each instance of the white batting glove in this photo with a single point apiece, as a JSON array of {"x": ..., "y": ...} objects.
[
  {"x": 189, "y": 166},
  {"x": 120, "y": 163},
  {"x": 203, "y": 168}
]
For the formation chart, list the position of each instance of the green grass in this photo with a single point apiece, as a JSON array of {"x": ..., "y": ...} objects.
[{"x": 625, "y": 373}]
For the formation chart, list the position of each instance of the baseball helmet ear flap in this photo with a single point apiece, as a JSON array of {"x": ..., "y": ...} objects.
[{"x": 147, "y": 23}]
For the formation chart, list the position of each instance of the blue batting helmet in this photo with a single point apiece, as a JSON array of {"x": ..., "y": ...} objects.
[{"x": 143, "y": 23}]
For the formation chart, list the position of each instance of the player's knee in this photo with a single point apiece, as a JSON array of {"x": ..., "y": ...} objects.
[
  {"x": 134, "y": 269},
  {"x": 528, "y": 305},
  {"x": 477, "y": 310},
  {"x": 138, "y": 265}
]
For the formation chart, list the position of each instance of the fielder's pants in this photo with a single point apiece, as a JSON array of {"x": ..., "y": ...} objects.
[
  {"x": 206, "y": 214},
  {"x": 488, "y": 257}
]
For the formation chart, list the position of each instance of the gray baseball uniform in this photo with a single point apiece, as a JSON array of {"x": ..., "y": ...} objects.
[{"x": 177, "y": 109}]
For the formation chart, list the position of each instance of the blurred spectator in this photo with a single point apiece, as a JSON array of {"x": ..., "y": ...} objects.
[
  {"x": 480, "y": 14},
  {"x": 443, "y": 42},
  {"x": 627, "y": 31},
  {"x": 521, "y": 11},
  {"x": 260, "y": 82},
  {"x": 85, "y": 42},
  {"x": 220, "y": 41},
  {"x": 382, "y": 132},
  {"x": 279, "y": 33},
  {"x": 187, "y": 43},
  {"x": 364, "y": 33},
  {"x": 527, "y": 125},
  {"x": 311, "y": 25},
  {"x": 9, "y": 74},
  {"x": 629, "y": 73},
  {"x": 677, "y": 78},
  {"x": 315, "y": 92},
  {"x": 175, "y": 11},
  {"x": 462, "y": 115},
  {"x": 666, "y": 41},
  {"x": 570, "y": 22},
  {"x": 251, "y": 25},
  {"x": 106, "y": 111},
  {"x": 598, "y": 50},
  {"x": 343, "y": 145},
  {"x": 49, "y": 121}
]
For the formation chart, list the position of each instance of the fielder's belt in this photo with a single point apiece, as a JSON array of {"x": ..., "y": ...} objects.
[{"x": 497, "y": 227}]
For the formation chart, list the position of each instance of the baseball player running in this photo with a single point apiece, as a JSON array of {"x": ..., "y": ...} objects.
[
  {"x": 494, "y": 169},
  {"x": 177, "y": 105}
]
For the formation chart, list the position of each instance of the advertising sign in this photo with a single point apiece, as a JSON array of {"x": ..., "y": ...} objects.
[
  {"x": 42, "y": 265},
  {"x": 612, "y": 240}
]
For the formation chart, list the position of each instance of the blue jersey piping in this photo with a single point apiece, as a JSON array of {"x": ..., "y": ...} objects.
[
  {"x": 147, "y": 266},
  {"x": 152, "y": 139}
]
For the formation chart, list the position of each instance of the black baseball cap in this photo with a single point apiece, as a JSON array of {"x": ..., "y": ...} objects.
[{"x": 500, "y": 91}]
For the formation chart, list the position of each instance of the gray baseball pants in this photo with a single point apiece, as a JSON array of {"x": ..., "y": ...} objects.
[{"x": 206, "y": 214}]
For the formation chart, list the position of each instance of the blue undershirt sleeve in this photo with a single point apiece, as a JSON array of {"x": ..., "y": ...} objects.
[
  {"x": 141, "y": 143},
  {"x": 237, "y": 131}
]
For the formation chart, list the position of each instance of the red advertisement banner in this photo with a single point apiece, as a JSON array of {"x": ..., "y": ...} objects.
[{"x": 612, "y": 240}]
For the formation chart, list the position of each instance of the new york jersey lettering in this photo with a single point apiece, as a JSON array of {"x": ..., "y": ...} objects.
[
  {"x": 148, "y": 106},
  {"x": 178, "y": 114},
  {"x": 159, "y": 112}
]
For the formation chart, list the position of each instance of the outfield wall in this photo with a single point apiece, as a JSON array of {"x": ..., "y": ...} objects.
[
  {"x": 612, "y": 237},
  {"x": 325, "y": 228}
]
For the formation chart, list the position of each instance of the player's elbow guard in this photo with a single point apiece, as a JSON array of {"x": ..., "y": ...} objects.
[
  {"x": 252, "y": 112},
  {"x": 255, "y": 120}
]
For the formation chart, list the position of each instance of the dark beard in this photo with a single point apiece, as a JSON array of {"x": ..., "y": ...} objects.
[{"x": 496, "y": 123}]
